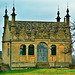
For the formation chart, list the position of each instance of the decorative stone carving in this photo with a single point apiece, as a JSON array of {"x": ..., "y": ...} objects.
[
  {"x": 23, "y": 36},
  {"x": 32, "y": 35},
  {"x": 52, "y": 37},
  {"x": 60, "y": 34},
  {"x": 42, "y": 33},
  {"x": 40, "y": 30}
]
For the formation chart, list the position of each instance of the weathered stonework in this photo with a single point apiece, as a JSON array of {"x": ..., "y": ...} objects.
[{"x": 36, "y": 32}]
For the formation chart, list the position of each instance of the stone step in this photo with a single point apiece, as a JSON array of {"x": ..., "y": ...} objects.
[{"x": 43, "y": 65}]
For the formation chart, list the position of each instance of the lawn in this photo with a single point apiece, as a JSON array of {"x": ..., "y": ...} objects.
[{"x": 40, "y": 72}]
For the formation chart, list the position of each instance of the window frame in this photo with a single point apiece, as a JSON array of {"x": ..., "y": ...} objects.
[
  {"x": 30, "y": 50},
  {"x": 23, "y": 50},
  {"x": 54, "y": 50}
]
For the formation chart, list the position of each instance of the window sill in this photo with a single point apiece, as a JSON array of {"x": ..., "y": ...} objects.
[
  {"x": 52, "y": 55},
  {"x": 30, "y": 55},
  {"x": 22, "y": 55}
]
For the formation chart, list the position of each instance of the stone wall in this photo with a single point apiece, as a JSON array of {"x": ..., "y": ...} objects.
[
  {"x": 59, "y": 64},
  {"x": 16, "y": 57},
  {"x": 22, "y": 65}
]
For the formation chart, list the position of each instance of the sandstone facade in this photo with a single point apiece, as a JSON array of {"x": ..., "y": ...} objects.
[{"x": 35, "y": 33}]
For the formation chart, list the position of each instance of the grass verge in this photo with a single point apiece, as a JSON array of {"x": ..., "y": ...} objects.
[{"x": 40, "y": 72}]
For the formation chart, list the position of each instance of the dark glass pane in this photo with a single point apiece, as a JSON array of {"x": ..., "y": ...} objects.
[
  {"x": 22, "y": 50},
  {"x": 31, "y": 50},
  {"x": 53, "y": 50}
]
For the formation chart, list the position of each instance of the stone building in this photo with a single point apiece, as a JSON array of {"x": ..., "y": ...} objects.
[{"x": 36, "y": 42}]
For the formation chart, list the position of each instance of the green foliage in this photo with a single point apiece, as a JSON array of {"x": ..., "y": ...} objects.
[{"x": 72, "y": 66}]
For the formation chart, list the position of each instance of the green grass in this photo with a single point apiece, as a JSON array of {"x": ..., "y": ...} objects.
[{"x": 40, "y": 72}]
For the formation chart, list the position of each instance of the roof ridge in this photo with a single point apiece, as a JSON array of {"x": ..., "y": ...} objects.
[{"x": 39, "y": 21}]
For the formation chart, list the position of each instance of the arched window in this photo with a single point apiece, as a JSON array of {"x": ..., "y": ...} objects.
[
  {"x": 53, "y": 50},
  {"x": 31, "y": 50},
  {"x": 22, "y": 50}
]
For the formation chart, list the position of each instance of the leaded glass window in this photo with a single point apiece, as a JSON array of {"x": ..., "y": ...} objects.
[
  {"x": 31, "y": 50},
  {"x": 22, "y": 50},
  {"x": 53, "y": 50}
]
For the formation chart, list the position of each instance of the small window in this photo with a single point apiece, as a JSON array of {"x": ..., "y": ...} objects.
[
  {"x": 31, "y": 50},
  {"x": 22, "y": 50},
  {"x": 53, "y": 50}
]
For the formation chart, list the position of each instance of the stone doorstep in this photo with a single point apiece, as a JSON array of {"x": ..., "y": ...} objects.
[{"x": 43, "y": 65}]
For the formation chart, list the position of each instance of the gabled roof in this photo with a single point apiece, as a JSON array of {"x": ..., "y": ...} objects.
[{"x": 28, "y": 30}]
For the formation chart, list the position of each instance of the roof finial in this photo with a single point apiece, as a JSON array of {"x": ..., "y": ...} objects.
[
  {"x": 67, "y": 9},
  {"x": 67, "y": 15},
  {"x": 58, "y": 13},
  {"x": 13, "y": 3},
  {"x": 58, "y": 17},
  {"x": 6, "y": 6},
  {"x": 67, "y": 5},
  {"x": 13, "y": 13},
  {"x": 13, "y": 7},
  {"x": 58, "y": 7}
]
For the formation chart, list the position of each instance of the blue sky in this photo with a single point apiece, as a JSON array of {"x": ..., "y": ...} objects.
[{"x": 36, "y": 10}]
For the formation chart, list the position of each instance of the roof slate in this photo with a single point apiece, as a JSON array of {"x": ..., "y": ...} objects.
[{"x": 36, "y": 25}]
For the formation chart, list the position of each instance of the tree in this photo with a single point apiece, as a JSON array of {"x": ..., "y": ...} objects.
[
  {"x": 72, "y": 29},
  {"x": 71, "y": 45}
]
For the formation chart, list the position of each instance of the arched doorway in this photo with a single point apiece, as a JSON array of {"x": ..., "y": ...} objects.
[{"x": 42, "y": 53}]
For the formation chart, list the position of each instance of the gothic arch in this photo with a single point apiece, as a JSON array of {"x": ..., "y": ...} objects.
[
  {"x": 42, "y": 52},
  {"x": 43, "y": 43},
  {"x": 53, "y": 49},
  {"x": 31, "y": 49}
]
